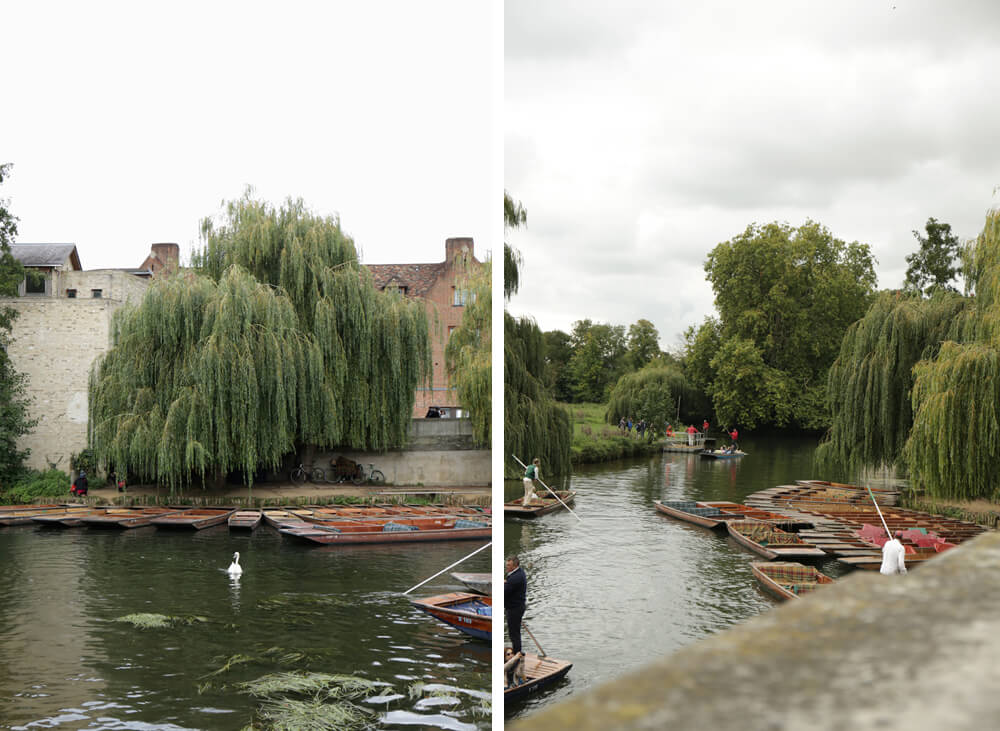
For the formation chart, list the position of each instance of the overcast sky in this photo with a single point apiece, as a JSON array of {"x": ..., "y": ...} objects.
[
  {"x": 127, "y": 123},
  {"x": 639, "y": 135}
]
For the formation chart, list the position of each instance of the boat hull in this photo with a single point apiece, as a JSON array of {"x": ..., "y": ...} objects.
[
  {"x": 514, "y": 509},
  {"x": 464, "y": 612},
  {"x": 344, "y": 538},
  {"x": 540, "y": 673}
]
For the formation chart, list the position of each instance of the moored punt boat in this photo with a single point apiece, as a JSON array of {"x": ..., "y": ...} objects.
[
  {"x": 27, "y": 512},
  {"x": 715, "y": 514},
  {"x": 771, "y": 542},
  {"x": 278, "y": 518},
  {"x": 470, "y": 613},
  {"x": 480, "y": 583},
  {"x": 787, "y": 580},
  {"x": 69, "y": 518},
  {"x": 194, "y": 518},
  {"x": 539, "y": 673},
  {"x": 346, "y": 532},
  {"x": 126, "y": 517},
  {"x": 541, "y": 505},
  {"x": 844, "y": 486},
  {"x": 722, "y": 454},
  {"x": 244, "y": 520}
]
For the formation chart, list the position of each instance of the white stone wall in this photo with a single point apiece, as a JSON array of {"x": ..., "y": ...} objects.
[{"x": 55, "y": 341}]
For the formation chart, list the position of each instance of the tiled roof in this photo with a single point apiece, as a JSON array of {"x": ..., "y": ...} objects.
[
  {"x": 45, "y": 255},
  {"x": 417, "y": 278}
]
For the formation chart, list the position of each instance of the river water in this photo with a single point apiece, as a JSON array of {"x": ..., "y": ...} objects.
[
  {"x": 65, "y": 662},
  {"x": 628, "y": 585}
]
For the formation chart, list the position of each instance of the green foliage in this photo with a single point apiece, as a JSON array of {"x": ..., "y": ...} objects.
[
  {"x": 32, "y": 485},
  {"x": 558, "y": 351},
  {"x": 514, "y": 216},
  {"x": 785, "y": 298},
  {"x": 643, "y": 343},
  {"x": 15, "y": 421},
  {"x": 469, "y": 352},
  {"x": 652, "y": 394},
  {"x": 597, "y": 360},
  {"x": 281, "y": 340},
  {"x": 534, "y": 424},
  {"x": 871, "y": 380},
  {"x": 595, "y": 441},
  {"x": 86, "y": 460},
  {"x": 700, "y": 348},
  {"x": 932, "y": 268}
]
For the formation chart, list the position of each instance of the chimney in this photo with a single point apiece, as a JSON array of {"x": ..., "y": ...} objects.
[
  {"x": 458, "y": 247},
  {"x": 169, "y": 256}
]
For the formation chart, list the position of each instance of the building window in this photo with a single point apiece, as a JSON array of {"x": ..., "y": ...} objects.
[
  {"x": 451, "y": 330},
  {"x": 96, "y": 294},
  {"x": 35, "y": 282},
  {"x": 71, "y": 293},
  {"x": 459, "y": 296},
  {"x": 396, "y": 289}
]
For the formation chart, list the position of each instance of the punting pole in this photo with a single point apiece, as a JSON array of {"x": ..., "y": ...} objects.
[
  {"x": 888, "y": 533},
  {"x": 450, "y": 567},
  {"x": 533, "y": 639},
  {"x": 550, "y": 490}
]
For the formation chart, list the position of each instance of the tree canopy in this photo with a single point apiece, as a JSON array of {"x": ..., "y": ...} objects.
[
  {"x": 653, "y": 393},
  {"x": 785, "y": 297},
  {"x": 597, "y": 360},
  {"x": 276, "y": 339},
  {"x": 916, "y": 383},
  {"x": 468, "y": 354},
  {"x": 15, "y": 421},
  {"x": 934, "y": 265},
  {"x": 534, "y": 424}
]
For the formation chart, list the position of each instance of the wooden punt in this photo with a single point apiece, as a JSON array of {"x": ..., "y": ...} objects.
[
  {"x": 278, "y": 518},
  {"x": 771, "y": 542},
  {"x": 541, "y": 505},
  {"x": 126, "y": 517},
  {"x": 244, "y": 520},
  {"x": 470, "y": 613},
  {"x": 194, "y": 518},
  {"x": 539, "y": 673},
  {"x": 69, "y": 518},
  {"x": 347, "y": 533},
  {"x": 479, "y": 583},
  {"x": 722, "y": 454},
  {"x": 787, "y": 580},
  {"x": 843, "y": 486},
  {"x": 27, "y": 512},
  {"x": 388, "y": 510},
  {"x": 716, "y": 514}
]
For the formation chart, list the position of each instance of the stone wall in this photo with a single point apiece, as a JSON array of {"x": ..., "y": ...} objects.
[
  {"x": 55, "y": 340},
  {"x": 870, "y": 652}
]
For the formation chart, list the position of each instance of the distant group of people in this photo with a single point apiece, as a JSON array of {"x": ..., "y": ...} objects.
[
  {"x": 80, "y": 486},
  {"x": 642, "y": 427}
]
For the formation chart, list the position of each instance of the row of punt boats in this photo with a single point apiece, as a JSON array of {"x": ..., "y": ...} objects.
[
  {"x": 818, "y": 520},
  {"x": 320, "y": 525}
]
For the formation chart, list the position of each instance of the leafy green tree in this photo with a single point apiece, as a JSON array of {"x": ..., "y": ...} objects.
[
  {"x": 934, "y": 266},
  {"x": 14, "y": 402},
  {"x": 791, "y": 293},
  {"x": 534, "y": 424},
  {"x": 700, "y": 348},
  {"x": 653, "y": 393},
  {"x": 468, "y": 354},
  {"x": 558, "y": 350},
  {"x": 643, "y": 343},
  {"x": 281, "y": 340},
  {"x": 598, "y": 359}
]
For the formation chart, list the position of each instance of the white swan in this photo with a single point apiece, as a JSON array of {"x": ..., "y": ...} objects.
[{"x": 234, "y": 567}]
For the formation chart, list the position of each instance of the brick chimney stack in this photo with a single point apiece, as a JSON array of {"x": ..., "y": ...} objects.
[
  {"x": 455, "y": 247},
  {"x": 168, "y": 256}
]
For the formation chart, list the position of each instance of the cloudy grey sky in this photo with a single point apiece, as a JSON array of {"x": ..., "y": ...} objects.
[
  {"x": 129, "y": 122},
  {"x": 639, "y": 135}
]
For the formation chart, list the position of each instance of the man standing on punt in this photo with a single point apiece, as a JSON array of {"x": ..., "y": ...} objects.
[
  {"x": 515, "y": 590},
  {"x": 892, "y": 556}
]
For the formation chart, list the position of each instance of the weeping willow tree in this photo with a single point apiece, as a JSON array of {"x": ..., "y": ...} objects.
[
  {"x": 279, "y": 339},
  {"x": 917, "y": 384},
  {"x": 534, "y": 424},
  {"x": 652, "y": 394},
  {"x": 870, "y": 382},
  {"x": 469, "y": 352}
]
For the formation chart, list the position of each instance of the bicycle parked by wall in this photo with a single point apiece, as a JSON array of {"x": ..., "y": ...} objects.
[{"x": 371, "y": 475}]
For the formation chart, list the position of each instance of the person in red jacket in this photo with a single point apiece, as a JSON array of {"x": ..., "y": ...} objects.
[
  {"x": 734, "y": 435},
  {"x": 704, "y": 427},
  {"x": 691, "y": 431}
]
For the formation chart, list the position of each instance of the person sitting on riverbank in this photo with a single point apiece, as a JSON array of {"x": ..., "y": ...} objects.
[
  {"x": 893, "y": 552},
  {"x": 79, "y": 487}
]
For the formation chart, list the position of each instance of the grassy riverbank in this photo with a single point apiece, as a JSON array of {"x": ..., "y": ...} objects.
[{"x": 596, "y": 441}]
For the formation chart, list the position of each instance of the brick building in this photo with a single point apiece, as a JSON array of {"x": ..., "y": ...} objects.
[
  {"x": 440, "y": 287},
  {"x": 64, "y": 325}
]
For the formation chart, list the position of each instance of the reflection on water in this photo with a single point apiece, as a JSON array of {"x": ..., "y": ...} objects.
[
  {"x": 66, "y": 663},
  {"x": 629, "y": 585}
]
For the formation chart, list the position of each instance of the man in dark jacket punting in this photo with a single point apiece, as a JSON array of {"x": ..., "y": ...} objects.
[{"x": 515, "y": 589}]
